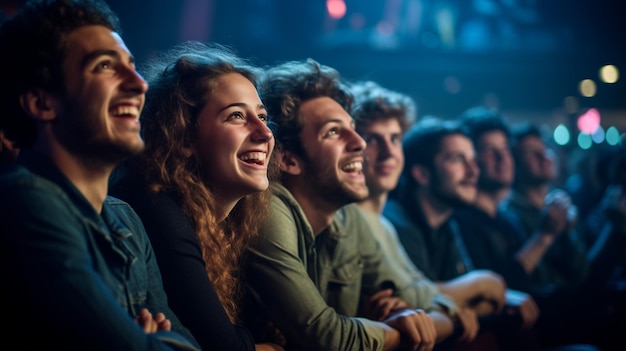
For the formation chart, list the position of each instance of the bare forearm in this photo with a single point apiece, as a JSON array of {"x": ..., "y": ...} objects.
[
  {"x": 443, "y": 325},
  {"x": 459, "y": 295},
  {"x": 534, "y": 250}
]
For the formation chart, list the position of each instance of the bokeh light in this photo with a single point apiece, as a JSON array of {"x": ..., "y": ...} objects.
[
  {"x": 598, "y": 135},
  {"x": 571, "y": 104},
  {"x": 589, "y": 121},
  {"x": 452, "y": 84},
  {"x": 584, "y": 141},
  {"x": 561, "y": 135},
  {"x": 612, "y": 136},
  {"x": 587, "y": 88},
  {"x": 609, "y": 74},
  {"x": 336, "y": 8}
]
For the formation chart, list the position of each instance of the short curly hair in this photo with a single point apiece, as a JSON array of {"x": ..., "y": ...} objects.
[
  {"x": 284, "y": 87},
  {"x": 373, "y": 102}
]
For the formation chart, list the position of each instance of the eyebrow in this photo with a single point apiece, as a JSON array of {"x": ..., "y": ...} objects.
[
  {"x": 90, "y": 57},
  {"x": 242, "y": 105},
  {"x": 335, "y": 120}
]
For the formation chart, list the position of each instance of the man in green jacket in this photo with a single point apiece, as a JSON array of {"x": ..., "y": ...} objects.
[{"x": 318, "y": 273}]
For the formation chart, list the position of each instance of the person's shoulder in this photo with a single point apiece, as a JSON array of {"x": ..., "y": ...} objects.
[
  {"x": 120, "y": 210},
  {"x": 282, "y": 195},
  {"x": 351, "y": 215},
  {"x": 284, "y": 207},
  {"x": 515, "y": 201},
  {"x": 117, "y": 204},
  {"x": 286, "y": 222},
  {"x": 15, "y": 175},
  {"x": 395, "y": 213},
  {"x": 22, "y": 186}
]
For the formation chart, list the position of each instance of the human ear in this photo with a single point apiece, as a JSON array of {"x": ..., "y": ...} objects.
[
  {"x": 421, "y": 175},
  {"x": 39, "y": 105},
  {"x": 287, "y": 161}
]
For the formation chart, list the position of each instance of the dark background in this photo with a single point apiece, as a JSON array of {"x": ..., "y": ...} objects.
[{"x": 524, "y": 57}]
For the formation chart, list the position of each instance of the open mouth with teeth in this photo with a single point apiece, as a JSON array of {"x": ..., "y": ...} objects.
[
  {"x": 254, "y": 158},
  {"x": 352, "y": 167},
  {"x": 126, "y": 112}
]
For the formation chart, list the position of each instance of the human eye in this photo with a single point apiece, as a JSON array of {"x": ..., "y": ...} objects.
[
  {"x": 396, "y": 139},
  {"x": 332, "y": 132},
  {"x": 236, "y": 115},
  {"x": 263, "y": 117},
  {"x": 104, "y": 65}
]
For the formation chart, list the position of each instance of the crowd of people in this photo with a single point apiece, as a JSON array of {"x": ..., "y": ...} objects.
[{"x": 200, "y": 202}]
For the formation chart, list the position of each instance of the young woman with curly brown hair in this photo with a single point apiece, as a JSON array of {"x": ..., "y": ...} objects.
[{"x": 200, "y": 186}]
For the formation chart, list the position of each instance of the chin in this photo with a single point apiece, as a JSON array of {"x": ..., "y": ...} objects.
[{"x": 258, "y": 186}]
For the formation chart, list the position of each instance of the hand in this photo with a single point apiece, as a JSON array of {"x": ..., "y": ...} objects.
[
  {"x": 558, "y": 215},
  {"x": 492, "y": 288},
  {"x": 469, "y": 322},
  {"x": 416, "y": 327},
  {"x": 275, "y": 336},
  {"x": 152, "y": 325},
  {"x": 523, "y": 304},
  {"x": 382, "y": 304}
]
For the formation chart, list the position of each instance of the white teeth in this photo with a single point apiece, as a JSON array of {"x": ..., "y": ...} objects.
[
  {"x": 253, "y": 156},
  {"x": 131, "y": 111},
  {"x": 353, "y": 166}
]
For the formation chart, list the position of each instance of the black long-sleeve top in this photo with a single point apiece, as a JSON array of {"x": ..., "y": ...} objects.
[{"x": 190, "y": 292}]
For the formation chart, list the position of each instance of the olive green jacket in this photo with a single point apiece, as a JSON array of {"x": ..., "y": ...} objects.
[{"x": 311, "y": 287}]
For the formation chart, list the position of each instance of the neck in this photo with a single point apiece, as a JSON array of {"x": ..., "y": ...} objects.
[
  {"x": 536, "y": 194},
  {"x": 435, "y": 211},
  {"x": 375, "y": 203},
  {"x": 488, "y": 201},
  {"x": 223, "y": 206},
  {"x": 319, "y": 212},
  {"x": 90, "y": 177}
]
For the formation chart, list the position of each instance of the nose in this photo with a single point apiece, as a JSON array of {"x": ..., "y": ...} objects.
[
  {"x": 133, "y": 81},
  {"x": 472, "y": 168},
  {"x": 502, "y": 155},
  {"x": 260, "y": 131},
  {"x": 356, "y": 143},
  {"x": 386, "y": 145}
]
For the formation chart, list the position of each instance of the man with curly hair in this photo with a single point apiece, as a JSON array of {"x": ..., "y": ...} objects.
[{"x": 318, "y": 272}]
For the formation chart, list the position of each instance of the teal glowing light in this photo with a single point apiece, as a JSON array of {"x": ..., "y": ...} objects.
[
  {"x": 584, "y": 141},
  {"x": 612, "y": 136},
  {"x": 561, "y": 135}
]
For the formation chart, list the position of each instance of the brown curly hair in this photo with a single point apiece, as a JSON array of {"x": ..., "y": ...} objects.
[
  {"x": 372, "y": 103},
  {"x": 181, "y": 81},
  {"x": 284, "y": 87}
]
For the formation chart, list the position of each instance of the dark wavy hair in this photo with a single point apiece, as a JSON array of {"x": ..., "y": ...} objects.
[
  {"x": 479, "y": 120},
  {"x": 284, "y": 87},
  {"x": 181, "y": 81},
  {"x": 33, "y": 43},
  {"x": 373, "y": 102}
]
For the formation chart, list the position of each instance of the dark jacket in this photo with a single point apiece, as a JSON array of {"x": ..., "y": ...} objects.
[{"x": 74, "y": 279}]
